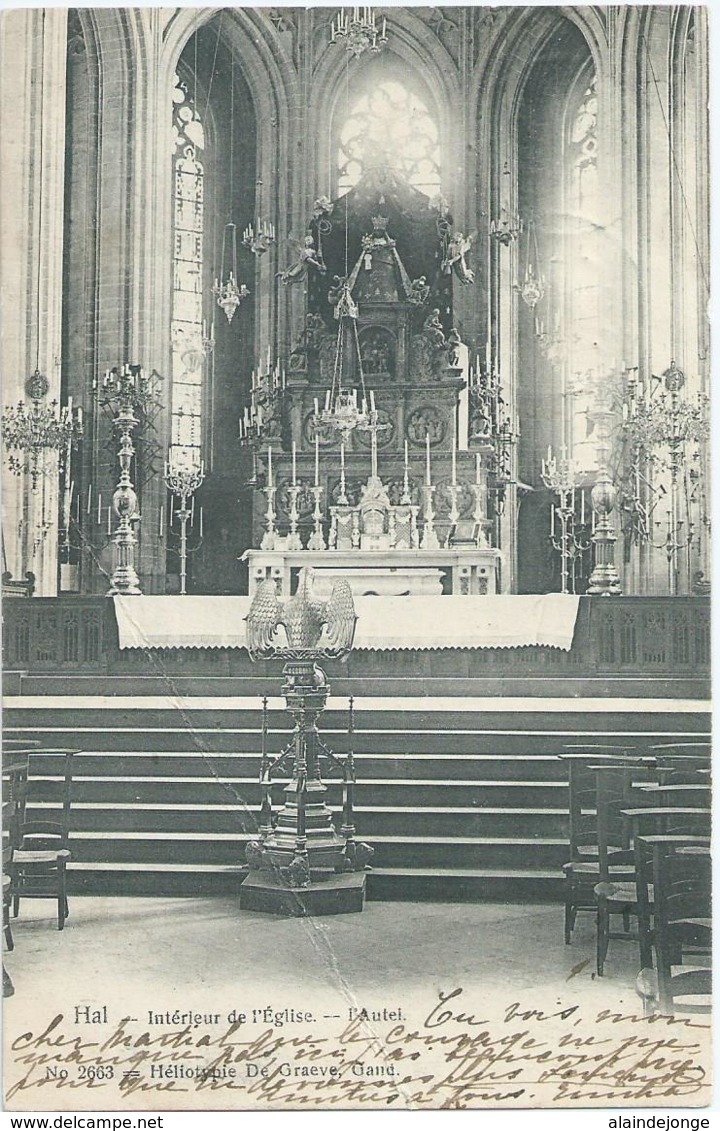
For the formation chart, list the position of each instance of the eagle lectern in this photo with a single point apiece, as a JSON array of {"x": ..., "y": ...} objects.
[{"x": 299, "y": 863}]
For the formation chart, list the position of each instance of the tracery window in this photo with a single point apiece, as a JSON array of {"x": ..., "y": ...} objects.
[
  {"x": 584, "y": 253},
  {"x": 390, "y": 126},
  {"x": 187, "y": 301}
]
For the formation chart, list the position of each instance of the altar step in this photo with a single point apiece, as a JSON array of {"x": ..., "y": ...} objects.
[{"x": 460, "y": 799}]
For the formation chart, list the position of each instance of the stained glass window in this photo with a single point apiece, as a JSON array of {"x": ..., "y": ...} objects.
[
  {"x": 390, "y": 127},
  {"x": 188, "y": 360}
]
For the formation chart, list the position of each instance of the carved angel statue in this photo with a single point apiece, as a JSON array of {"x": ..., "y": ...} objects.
[
  {"x": 419, "y": 291},
  {"x": 432, "y": 329},
  {"x": 313, "y": 629},
  {"x": 307, "y": 258},
  {"x": 454, "y": 260}
]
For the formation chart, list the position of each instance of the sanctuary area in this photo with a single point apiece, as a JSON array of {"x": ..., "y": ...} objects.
[{"x": 355, "y": 511}]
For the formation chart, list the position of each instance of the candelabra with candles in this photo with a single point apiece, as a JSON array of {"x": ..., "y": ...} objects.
[
  {"x": 226, "y": 289},
  {"x": 262, "y": 418},
  {"x": 492, "y": 431},
  {"x": 562, "y": 478},
  {"x": 184, "y": 475},
  {"x": 42, "y": 429},
  {"x": 125, "y": 390},
  {"x": 259, "y": 237},
  {"x": 359, "y": 31},
  {"x": 665, "y": 430}
]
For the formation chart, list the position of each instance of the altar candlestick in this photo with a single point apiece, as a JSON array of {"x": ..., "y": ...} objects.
[
  {"x": 294, "y": 465},
  {"x": 269, "y": 482},
  {"x": 427, "y": 459},
  {"x": 477, "y": 467},
  {"x": 317, "y": 459}
]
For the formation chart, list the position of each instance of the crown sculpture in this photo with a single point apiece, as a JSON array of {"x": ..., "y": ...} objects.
[{"x": 299, "y": 863}]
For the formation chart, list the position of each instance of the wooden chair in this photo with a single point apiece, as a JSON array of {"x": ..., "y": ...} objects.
[
  {"x": 621, "y": 895},
  {"x": 582, "y": 870},
  {"x": 681, "y": 980},
  {"x": 40, "y": 858}
]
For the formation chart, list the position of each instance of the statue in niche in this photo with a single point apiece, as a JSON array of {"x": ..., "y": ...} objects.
[
  {"x": 454, "y": 260},
  {"x": 377, "y": 351},
  {"x": 428, "y": 350},
  {"x": 307, "y": 258},
  {"x": 308, "y": 344}
]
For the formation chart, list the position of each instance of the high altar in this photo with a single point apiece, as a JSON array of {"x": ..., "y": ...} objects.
[{"x": 362, "y": 460}]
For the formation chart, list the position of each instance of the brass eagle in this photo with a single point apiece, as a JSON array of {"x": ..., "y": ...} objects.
[{"x": 313, "y": 629}]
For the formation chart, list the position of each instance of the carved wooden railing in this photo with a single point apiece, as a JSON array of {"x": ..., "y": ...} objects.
[{"x": 628, "y": 636}]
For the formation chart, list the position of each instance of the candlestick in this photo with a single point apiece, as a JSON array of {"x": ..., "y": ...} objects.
[
  {"x": 317, "y": 458},
  {"x": 269, "y": 482},
  {"x": 454, "y": 460},
  {"x": 406, "y": 455}
]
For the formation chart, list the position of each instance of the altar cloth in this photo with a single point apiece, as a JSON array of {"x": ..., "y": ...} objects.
[{"x": 384, "y": 623}]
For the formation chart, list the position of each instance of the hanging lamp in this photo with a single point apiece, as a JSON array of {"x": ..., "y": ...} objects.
[{"x": 227, "y": 290}]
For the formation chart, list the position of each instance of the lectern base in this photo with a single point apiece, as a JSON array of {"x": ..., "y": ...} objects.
[{"x": 336, "y": 895}]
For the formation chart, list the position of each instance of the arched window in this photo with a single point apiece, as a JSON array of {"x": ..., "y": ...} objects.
[
  {"x": 188, "y": 358},
  {"x": 392, "y": 127},
  {"x": 584, "y": 256}
]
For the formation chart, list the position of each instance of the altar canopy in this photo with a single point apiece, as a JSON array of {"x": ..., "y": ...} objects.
[{"x": 414, "y": 623}]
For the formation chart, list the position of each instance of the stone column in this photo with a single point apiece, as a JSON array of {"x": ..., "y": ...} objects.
[{"x": 33, "y": 147}]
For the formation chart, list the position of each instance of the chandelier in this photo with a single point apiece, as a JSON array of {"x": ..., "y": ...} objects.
[
  {"x": 341, "y": 410},
  {"x": 359, "y": 31},
  {"x": 259, "y": 237},
  {"x": 227, "y": 291},
  {"x": 532, "y": 288},
  {"x": 38, "y": 430}
]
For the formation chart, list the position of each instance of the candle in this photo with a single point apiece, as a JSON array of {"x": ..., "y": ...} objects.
[
  {"x": 477, "y": 467},
  {"x": 294, "y": 465},
  {"x": 192, "y": 511},
  {"x": 172, "y": 508},
  {"x": 99, "y": 518},
  {"x": 342, "y": 457},
  {"x": 427, "y": 459},
  {"x": 109, "y": 524},
  {"x": 162, "y": 520},
  {"x": 317, "y": 408},
  {"x": 552, "y": 520},
  {"x": 488, "y": 358},
  {"x": 454, "y": 459},
  {"x": 201, "y": 522},
  {"x": 269, "y": 482},
  {"x": 582, "y": 508},
  {"x": 406, "y": 455},
  {"x": 372, "y": 400},
  {"x": 89, "y": 502},
  {"x": 317, "y": 459}
]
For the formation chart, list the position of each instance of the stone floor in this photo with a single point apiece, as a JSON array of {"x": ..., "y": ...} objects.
[{"x": 163, "y": 950}]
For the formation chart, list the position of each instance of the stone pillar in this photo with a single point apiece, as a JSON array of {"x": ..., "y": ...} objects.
[{"x": 33, "y": 146}]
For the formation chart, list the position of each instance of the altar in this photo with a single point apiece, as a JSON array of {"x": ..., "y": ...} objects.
[{"x": 457, "y": 571}]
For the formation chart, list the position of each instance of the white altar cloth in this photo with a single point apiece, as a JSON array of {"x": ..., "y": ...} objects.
[{"x": 384, "y": 623}]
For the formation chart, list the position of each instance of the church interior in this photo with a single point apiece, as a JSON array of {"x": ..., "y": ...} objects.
[{"x": 356, "y": 515}]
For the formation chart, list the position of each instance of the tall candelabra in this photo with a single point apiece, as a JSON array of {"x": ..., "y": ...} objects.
[
  {"x": 44, "y": 428},
  {"x": 124, "y": 389},
  {"x": 664, "y": 429},
  {"x": 183, "y": 479},
  {"x": 561, "y": 477}
]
